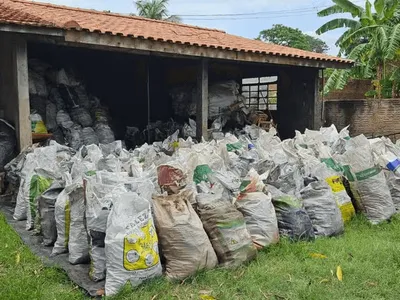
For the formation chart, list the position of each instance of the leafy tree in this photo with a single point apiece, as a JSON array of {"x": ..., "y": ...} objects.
[
  {"x": 292, "y": 37},
  {"x": 155, "y": 9},
  {"x": 317, "y": 45}
]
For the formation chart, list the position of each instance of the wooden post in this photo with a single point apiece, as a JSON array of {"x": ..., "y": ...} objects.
[
  {"x": 14, "y": 87},
  {"x": 202, "y": 100},
  {"x": 23, "y": 126},
  {"x": 318, "y": 118}
]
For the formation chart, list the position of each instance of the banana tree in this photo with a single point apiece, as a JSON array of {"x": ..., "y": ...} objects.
[
  {"x": 373, "y": 42},
  {"x": 351, "y": 24},
  {"x": 376, "y": 59}
]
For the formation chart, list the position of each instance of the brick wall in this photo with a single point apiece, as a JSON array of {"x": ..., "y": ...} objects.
[
  {"x": 370, "y": 117},
  {"x": 355, "y": 89}
]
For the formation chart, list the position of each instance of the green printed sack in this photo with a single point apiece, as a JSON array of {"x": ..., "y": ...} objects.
[
  {"x": 227, "y": 231},
  {"x": 367, "y": 181},
  {"x": 36, "y": 186},
  {"x": 374, "y": 195}
]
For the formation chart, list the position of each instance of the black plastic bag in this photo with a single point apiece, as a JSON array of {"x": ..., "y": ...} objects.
[
  {"x": 293, "y": 220},
  {"x": 8, "y": 143}
]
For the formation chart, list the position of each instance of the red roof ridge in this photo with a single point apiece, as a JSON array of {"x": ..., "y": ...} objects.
[
  {"x": 112, "y": 14},
  {"x": 24, "y": 12}
]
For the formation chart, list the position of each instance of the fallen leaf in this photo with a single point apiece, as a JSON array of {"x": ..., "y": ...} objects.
[
  {"x": 17, "y": 259},
  {"x": 265, "y": 295},
  {"x": 100, "y": 292},
  {"x": 290, "y": 278},
  {"x": 324, "y": 281},
  {"x": 206, "y": 297},
  {"x": 339, "y": 273},
  {"x": 372, "y": 284},
  {"x": 318, "y": 255},
  {"x": 240, "y": 274}
]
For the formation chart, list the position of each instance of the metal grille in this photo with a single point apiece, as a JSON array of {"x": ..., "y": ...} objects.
[{"x": 261, "y": 93}]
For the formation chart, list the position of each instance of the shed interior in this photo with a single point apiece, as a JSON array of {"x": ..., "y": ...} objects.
[{"x": 136, "y": 87}]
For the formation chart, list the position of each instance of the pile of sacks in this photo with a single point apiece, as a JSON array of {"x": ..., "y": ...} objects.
[
  {"x": 61, "y": 105},
  {"x": 226, "y": 105},
  {"x": 182, "y": 206}
]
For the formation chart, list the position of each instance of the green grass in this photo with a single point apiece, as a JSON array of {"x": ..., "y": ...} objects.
[
  {"x": 26, "y": 277},
  {"x": 369, "y": 256}
]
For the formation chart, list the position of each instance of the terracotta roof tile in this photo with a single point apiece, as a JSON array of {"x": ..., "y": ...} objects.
[{"x": 23, "y": 12}]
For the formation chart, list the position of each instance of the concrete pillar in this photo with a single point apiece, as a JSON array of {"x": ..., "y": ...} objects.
[
  {"x": 202, "y": 100},
  {"x": 14, "y": 87}
]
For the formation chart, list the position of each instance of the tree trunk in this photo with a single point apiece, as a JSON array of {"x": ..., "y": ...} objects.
[
  {"x": 379, "y": 74},
  {"x": 394, "y": 89}
]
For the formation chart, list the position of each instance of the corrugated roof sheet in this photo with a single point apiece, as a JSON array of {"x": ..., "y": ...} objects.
[{"x": 30, "y": 13}]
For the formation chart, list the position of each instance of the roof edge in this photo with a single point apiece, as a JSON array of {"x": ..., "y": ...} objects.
[{"x": 75, "y": 36}]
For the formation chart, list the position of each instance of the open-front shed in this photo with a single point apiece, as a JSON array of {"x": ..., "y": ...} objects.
[{"x": 132, "y": 62}]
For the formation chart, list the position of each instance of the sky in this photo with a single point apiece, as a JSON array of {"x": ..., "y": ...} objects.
[{"x": 256, "y": 15}]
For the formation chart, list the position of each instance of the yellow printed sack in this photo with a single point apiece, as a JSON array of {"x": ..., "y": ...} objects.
[
  {"x": 37, "y": 124},
  {"x": 141, "y": 249},
  {"x": 342, "y": 199},
  {"x": 131, "y": 243},
  {"x": 62, "y": 214}
]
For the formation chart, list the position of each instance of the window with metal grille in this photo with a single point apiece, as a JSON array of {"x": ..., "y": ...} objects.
[{"x": 261, "y": 93}]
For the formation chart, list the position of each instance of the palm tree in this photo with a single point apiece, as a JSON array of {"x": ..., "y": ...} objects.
[{"x": 155, "y": 9}]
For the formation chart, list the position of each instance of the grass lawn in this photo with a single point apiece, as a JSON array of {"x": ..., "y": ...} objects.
[{"x": 368, "y": 255}]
